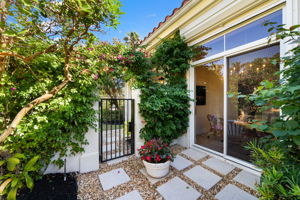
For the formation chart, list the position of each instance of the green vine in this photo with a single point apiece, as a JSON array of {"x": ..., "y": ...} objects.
[{"x": 164, "y": 94}]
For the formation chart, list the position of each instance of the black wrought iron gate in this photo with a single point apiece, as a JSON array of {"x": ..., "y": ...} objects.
[{"x": 116, "y": 130}]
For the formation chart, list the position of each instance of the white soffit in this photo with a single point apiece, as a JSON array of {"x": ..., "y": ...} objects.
[{"x": 217, "y": 16}]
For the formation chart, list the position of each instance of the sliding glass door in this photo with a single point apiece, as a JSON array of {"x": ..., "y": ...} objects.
[
  {"x": 209, "y": 105},
  {"x": 245, "y": 72}
]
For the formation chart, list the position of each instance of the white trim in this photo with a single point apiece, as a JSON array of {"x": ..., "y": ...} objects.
[
  {"x": 236, "y": 162},
  {"x": 225, "y": 78},
  {"x": 192, "y": 122},
  {"x": 208, "y": 150},
  {"x": 232, "y": 25}
]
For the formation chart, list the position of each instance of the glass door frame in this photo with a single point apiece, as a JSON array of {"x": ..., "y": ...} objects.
[{"x": 224, "y": 55}]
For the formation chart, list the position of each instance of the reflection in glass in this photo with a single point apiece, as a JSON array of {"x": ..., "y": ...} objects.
[
  {"x": 209, "y": 115},
  {"x": 252, "y": 32},
  {"x": 215, "y": 46},
  {"x": 245, "y": 72}
]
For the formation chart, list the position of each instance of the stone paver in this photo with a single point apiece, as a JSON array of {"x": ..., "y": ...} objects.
[
  {"x": 181, "y": 163},
  {"x": 134, "y": 195},
  {"x": 247, "y": 179},
  {"x": 151, "y": 179},
  {"x": 113, "y": 178},
  {"x": 218, "y": 165},
  {"x": 203, "y": 177},
  {"x": 177, "y": 189},
  {"x": 232, "y": 192},
  {"x": 194, "y": 154}
]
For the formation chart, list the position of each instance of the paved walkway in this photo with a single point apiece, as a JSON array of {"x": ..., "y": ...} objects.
[{"x": 194, "y": 175}]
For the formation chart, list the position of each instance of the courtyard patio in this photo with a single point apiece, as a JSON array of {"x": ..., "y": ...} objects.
[{"x": 194, "y": 175}]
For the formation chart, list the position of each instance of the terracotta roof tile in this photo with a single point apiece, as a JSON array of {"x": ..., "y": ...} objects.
[{"x": 166, "y": 18}]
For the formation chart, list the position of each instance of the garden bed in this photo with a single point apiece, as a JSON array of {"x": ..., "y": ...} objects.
[{"x": 52, "y": 187}]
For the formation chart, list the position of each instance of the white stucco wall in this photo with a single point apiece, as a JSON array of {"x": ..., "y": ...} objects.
[
  {"x": 86, "y": 161},
  {"x": 138, "y": 119}
]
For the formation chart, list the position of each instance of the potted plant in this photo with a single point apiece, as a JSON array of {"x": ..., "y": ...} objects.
[{"x": 157, "y": 157}]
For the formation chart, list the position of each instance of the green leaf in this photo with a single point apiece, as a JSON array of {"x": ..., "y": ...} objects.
[
  {"x": 2, "y": 162},
  {"x": 31, "y": 163},
  {"x": 19, "y": 155},
  {"x": 29, "y": 181},
  {"x": 12, "y": 163},
  {"x": 296, "y": 139},
  {"x": 267, "y": 84},
  {"x": 292, "y": 124},
  {"x": 12, "y": 194},
  {"x": 14, "y": 182}
]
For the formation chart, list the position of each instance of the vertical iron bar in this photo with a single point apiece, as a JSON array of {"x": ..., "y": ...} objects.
[
  {"x": 120, "y": 120},
  {"x": 110, "y": 129},
  {"x": 106, "y": 131},
  {"x": 123, "y": 130},
  {"x": 128, "y": 127},
  {"x": 132, "y": 127},
  {"x": 115, "y": 126}
]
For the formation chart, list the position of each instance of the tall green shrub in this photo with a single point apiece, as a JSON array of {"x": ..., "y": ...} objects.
[{"x": 164, "y": 95}]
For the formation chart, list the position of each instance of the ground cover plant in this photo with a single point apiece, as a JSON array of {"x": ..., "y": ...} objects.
[{"x": 48, "y": 85}]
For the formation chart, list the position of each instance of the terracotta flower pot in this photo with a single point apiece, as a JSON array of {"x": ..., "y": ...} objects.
[{"x": 157, "y": 170}]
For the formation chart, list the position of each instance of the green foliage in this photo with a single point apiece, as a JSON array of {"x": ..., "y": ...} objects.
[
  {"x": 164, "y": 95},
  {"x": 40, "y": 42},
  {"x": 279, "y": 155},
  {"x": 19, "y": 173}
]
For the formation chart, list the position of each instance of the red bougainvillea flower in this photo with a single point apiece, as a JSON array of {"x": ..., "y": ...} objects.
[
  {"x": 143, "y": 158},
  {"x": 148, "y": 158},
  {"x": 168, "y": 157},
  {"x": 158, "y": 158},
  {"x": 120, "y": 57},
  {"x": 95, "y": 76},
  {"x": 142, "y": 147},
  {"x": 111, "y": 69}
]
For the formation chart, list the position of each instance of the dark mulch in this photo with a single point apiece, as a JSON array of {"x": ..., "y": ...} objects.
[{"x": 52, "y": 187}]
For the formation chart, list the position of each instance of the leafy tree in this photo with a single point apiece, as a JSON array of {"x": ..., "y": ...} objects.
[
  {"x": 42, "y": 48},
  {"x": 62, "y": 23},
  {"x": 132, "y": 39}
]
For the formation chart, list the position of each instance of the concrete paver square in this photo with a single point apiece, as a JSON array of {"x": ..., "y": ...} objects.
[
  {"x": 177, "y": 189},
  {"x": 113, "y": 178},
  {"x": 194, "y": 154},
  {"x": 232, "y": 192},
  {"x": 181, "y": 163},
  {"x": 247, "y": 178},
  {"x": 219, "y": 165},
  {"x": 134, "y": 195},
  {"x": 203, "y": 177}
]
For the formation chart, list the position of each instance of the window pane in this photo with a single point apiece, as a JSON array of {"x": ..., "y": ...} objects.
[
  {"x": 215, "y": 46},
  {"x": 245, "y": 72},
  {"x": 209, "y": 105},
  {"x": 252, "y": 32}
]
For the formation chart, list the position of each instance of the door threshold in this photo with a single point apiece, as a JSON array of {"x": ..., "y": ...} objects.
[{"x": 236, "y": 162}]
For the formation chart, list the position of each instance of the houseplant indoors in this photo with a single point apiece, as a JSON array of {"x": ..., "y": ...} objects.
[{"x": 157, "y": 157}]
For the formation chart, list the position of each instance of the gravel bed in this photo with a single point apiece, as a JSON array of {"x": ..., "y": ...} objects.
[{"x": 89, "y": 187}]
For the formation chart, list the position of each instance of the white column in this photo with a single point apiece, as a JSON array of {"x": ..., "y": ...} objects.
[{"x": 138, "y": 120}]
